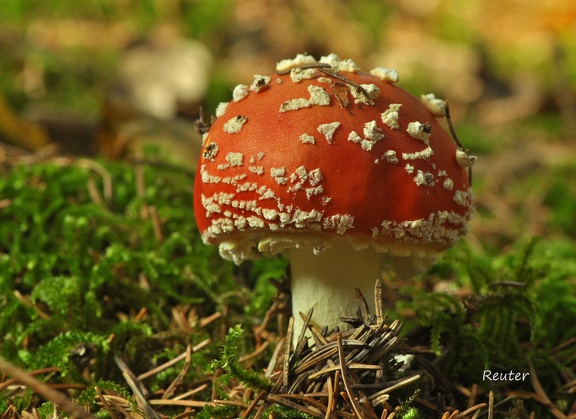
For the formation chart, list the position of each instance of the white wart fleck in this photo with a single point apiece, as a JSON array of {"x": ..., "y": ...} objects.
[
  {"x": 354, "y": 137},
  {"x": 235, "y": 159},
  {"x": 298, "y": 74},
  {"x": 295, "y": 104},
  {"x": 424, "y": 178},
  {"x": 259, "y": 170},
  {"x": 260, "y": 83},
  {"x": 269, "y": 214},
  {"x": 338, "y": 65},
  {"x": 318, "y": 96},
  {"x": 299, "y": 60},
  {"x": 464, "y": 159},
  {"x": 390, "y": 115},
  {"x": 240, "y": 92},
  {"x": 327, "y": 130},
  {"x": 386, "y": 74},
  {"x": 339, "y": 222},
  {"x": 390, "y": 157},
  {"x": 307, "y": 139},
  {"x": 422, "y": 155},
  {"x": 221, "y": 109},
  {"x": 463, "y": 197},
  {"x": 418, "y": 131},
  {"x": 210, "y": 152},
  {"x": 309, "y": 182},
  {"x": 279, "y": 175},
  {"x": 360, "y": 96},
  {"x": 234, "y": 125},
  {"x": 436, "y": 106},
  {"x": 372, "y": 134}
]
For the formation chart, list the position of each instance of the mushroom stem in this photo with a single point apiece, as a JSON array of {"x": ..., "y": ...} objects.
[{"x": 327, "y": 282}]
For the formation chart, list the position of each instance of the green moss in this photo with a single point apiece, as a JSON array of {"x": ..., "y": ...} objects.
[
  {"x": 412, "y": 413},
  {"x": 229, "y": 361},
  {"x": 66, "y": 352},
  {"x": 88, "y": 397},
  {"x": 70, "y": 263},
  {"x": 560, "y": 199},
  {"x": 285, "y": 413}
]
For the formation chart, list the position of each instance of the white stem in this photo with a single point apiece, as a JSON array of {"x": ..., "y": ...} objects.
[{"x": 327, "y": 282}]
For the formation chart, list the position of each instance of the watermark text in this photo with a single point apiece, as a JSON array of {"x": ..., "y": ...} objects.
[{"x": 488, "y": 375}]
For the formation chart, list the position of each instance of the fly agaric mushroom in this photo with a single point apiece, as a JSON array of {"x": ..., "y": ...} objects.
[{"x": 341, "y": 170}]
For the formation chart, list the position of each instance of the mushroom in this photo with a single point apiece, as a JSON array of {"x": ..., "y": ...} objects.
[{"x": 341, "y": 170}]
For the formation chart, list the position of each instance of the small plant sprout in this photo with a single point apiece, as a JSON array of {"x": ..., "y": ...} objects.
[{"x": 309, "y": 180}]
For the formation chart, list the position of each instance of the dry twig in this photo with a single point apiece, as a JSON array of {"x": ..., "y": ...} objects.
[{"x": 59, "y": 399}]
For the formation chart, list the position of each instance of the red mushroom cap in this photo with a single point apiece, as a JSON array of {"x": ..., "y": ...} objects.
[{"x": 299, "y": 158}]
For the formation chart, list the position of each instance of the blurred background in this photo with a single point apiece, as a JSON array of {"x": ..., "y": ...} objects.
[{"x": 107, "y": 78}]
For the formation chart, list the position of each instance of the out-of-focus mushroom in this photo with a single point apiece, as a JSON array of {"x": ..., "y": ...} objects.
[
  {"x": 163, "y": 75},
  {"x": 159, "y": 79},
  {"x": 341, "y": 170}
]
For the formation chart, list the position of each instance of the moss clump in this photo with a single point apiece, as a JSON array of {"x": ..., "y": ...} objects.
[{"x": 96, "y": 258}]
